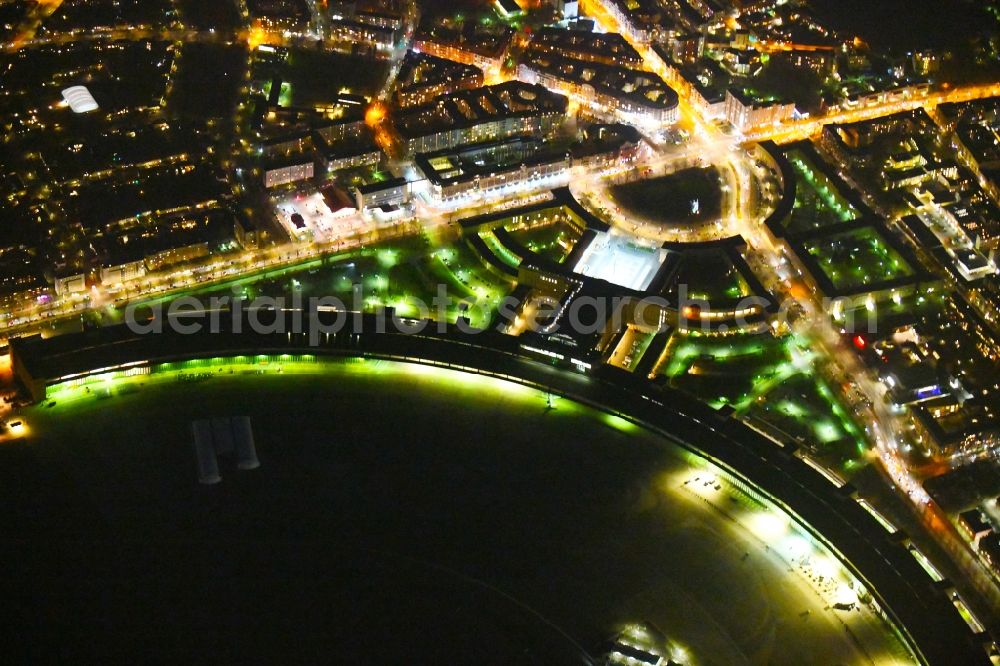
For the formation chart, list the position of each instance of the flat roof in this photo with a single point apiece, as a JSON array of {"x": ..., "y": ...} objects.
[
  {"x": 620, "y": 260},
  {"x": 381, "y": 185}
]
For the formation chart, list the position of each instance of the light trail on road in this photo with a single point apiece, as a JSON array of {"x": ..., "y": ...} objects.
[{"x": 805, "y": 128}]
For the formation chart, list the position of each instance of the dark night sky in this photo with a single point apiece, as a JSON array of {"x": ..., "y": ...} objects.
[{"x": 906, "y": 24}]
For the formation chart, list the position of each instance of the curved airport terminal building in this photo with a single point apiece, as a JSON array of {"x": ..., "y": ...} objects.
[{"x": 720, "y": 541}]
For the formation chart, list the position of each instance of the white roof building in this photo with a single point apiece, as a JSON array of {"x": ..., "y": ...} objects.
[{"x": 79, "y": 99}]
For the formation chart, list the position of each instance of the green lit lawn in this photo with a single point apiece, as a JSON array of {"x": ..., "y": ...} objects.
[
  {"x": 553, "y": 241},
  {"x": 752, "y": 349},
  {"x": 406, "y": 275},
  {"x": 499, "y": 249},
  {"x": 818, "y": 204},
  {"x": 724, "y": 371},
  {"x": 858, "y": 258},
  {"x": 770, "y": 379},
  {"x": 403, "y": 274},
  {"x": 807, "y": 409},
  {"x": 711, "y": 276},
  {"x": 927, "y": 305}
]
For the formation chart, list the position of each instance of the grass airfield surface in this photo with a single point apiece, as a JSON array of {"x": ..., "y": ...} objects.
[{"x": 400, "y": 513}]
